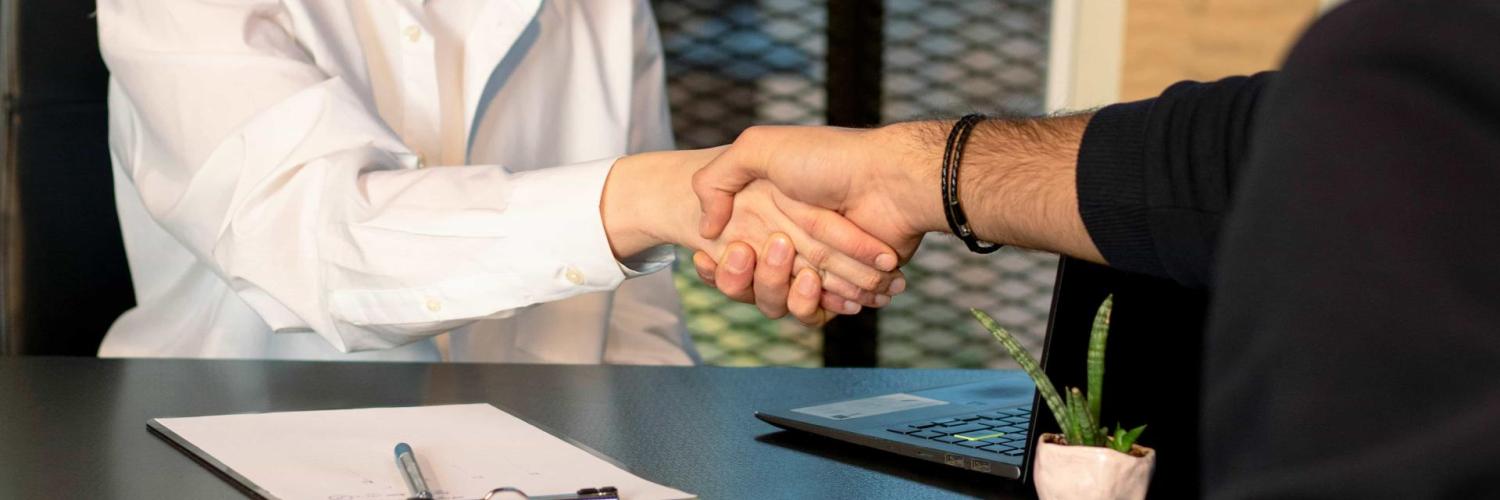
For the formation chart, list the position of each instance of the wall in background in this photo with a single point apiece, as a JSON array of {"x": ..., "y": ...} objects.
[
  {"x": 1120, "y": 50},
  {"x": 1171, "y": 40}
]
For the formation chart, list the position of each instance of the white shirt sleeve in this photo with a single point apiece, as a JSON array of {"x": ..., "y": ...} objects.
[
  {"x": 650, "y": 117},
  {"x": 285, "y": 181}
]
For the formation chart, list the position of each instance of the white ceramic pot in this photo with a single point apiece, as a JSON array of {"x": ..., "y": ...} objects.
[{"x": 1089, "y": 472}]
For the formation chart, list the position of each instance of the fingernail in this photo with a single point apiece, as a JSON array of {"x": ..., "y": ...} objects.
[
  {"x": 850, "y": 307},
  {"x": 739, "y": 260},
  {"x": 885, "y": 262},
  {"x": 806, "y": 286},
  {"x": 781, "y": 251},
  {"x": 898, "y": 285},
  {"x": 882, "y": 300}
]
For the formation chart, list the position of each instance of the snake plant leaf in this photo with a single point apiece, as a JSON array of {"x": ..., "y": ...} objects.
[
  {"x": 1074, "y": 431},
  {"x": 1123, "y": 443},
  {"x": 1031, "y": 367},
  {"x": 1088, "y": 428},
  {"x": 1098, "y": 337}
]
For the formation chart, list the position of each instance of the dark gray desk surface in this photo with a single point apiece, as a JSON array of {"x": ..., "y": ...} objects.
[{"x": 76, "y": 427}]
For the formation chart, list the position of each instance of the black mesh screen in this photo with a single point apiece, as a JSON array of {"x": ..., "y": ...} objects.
[{"x": 734, "y": 63}]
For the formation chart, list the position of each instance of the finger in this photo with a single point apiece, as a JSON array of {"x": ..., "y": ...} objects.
[
  {"x": 804, "y": 298},
  {"x": 843, "y": 236},
  {"x": 718, "y": 181},
  {"x": 804, "y": 301},
  {"x": 717, "y": 203},
  {"x": 705, "y": 266},
  {"x": 839, "y": 305},
  {"x": 736, "y": 272},
  {"x": 831, "y": 284},
  {"x": 846, "y": 290},
  {"x": 773, "y": 275},
  {"x": 898, "y": 285},
  {"x": 834, "y": 263}
]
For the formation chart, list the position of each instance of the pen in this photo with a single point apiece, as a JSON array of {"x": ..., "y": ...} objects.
[{"x": 407, "y": 462}]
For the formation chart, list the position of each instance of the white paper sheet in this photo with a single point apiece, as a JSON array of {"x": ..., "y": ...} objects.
[{"x": 463, "y": 450}]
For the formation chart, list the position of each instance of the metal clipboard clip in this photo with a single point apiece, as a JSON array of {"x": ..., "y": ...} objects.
[{"x": 601, "y": 493}]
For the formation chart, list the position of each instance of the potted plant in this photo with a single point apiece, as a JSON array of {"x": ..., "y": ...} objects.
[{"x": 1087, "y": 461}]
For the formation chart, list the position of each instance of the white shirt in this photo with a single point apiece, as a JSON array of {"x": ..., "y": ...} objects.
[{"x": 319, "y": 179}]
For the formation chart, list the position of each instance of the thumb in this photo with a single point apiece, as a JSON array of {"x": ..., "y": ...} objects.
[{"x": 716, "y": 184}]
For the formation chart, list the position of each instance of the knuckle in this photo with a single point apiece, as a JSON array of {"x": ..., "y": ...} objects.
[
  {"x": 732, "y": 288},
  {"x": 841, "y": 288},
  {"x": 870, "y": 248},
  {"x": 819, "y": 225},
  {"x": 771, "y": 310},
  {"x": 700, "y": 180},
  {"x": 751, "y": 134},
  {"x": 818, "y": 255}
]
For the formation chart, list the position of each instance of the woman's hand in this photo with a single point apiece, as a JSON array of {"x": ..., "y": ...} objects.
[
  {"x": 812, "y": 238},
  {"x": 648, "y": 201}
]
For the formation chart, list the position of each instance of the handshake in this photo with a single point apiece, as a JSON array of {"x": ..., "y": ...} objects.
[{"x": 815, "y": 221}]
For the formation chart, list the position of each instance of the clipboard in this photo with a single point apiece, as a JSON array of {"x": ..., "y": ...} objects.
[{"x": 342, "y": 461}]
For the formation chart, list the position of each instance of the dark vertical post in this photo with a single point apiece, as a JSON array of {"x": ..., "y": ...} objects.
[
  {"x": 855, "y": 49},
  {"x": 7, "y": 167}
]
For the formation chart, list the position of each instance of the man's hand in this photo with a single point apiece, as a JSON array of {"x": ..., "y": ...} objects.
[
  {"x": 1016, "y": 183},
  {"x": 647, "y": 202},
  {"x": 885, "y": 180},
  {"x": 875, "y": 178}
]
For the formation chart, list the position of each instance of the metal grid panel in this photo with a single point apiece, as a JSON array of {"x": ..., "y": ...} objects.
[
  {"x": 943, "y": 59},
  {"x": 732, "y": 64}
]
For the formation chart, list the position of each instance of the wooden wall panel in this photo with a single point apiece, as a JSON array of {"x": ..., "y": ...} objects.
[{"x": 1171, "y": 40}]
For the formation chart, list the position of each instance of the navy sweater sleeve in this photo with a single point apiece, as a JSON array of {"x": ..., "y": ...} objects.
[{"x": 1155, "y": 176}]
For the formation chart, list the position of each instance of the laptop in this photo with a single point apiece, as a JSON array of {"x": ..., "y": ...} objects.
[
  {"x": 985, "y": 427},
  {"x": 990, "y": 427}
]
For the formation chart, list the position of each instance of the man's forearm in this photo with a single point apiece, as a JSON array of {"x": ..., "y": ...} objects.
[{"x": 1016, "y": 181}]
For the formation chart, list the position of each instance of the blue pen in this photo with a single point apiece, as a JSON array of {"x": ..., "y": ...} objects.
[{"x": 407, "y": 462}]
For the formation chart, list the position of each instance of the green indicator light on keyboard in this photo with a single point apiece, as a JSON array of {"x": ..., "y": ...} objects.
[{"x": 979, "y": 437}]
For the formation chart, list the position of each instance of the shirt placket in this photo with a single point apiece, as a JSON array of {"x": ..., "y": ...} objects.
[{"x": 419, "y": 84}]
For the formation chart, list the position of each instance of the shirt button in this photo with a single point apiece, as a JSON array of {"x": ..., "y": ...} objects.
[
  {"x": 574, "y": 275},
  {"x": 434, "y": 305},
  {"x": 413, "y": 33}
]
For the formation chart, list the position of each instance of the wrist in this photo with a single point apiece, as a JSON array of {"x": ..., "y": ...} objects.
[
  {"x": 648, "y": 201},
  {"x": 1016, "y": 182},
  {"x": 622, "y": 205},
  {"x": 914, "y": 152}
]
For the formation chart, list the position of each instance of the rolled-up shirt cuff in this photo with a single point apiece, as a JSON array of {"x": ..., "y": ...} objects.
[{"x": 652, "y": 260}]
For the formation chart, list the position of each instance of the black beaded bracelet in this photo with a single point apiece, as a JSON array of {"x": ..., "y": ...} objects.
[{"x": 953, "y": 155}]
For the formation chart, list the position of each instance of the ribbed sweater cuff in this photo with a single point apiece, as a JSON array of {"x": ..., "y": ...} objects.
[{"x": 1112, "y": 188}]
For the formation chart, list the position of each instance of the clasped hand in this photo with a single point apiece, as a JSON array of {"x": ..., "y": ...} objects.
[
  {"x": 784, "y": 255},
  {"x": 882, "y": 182}
]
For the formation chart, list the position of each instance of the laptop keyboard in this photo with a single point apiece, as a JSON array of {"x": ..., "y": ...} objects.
[{"x": 1002, "y": 432}]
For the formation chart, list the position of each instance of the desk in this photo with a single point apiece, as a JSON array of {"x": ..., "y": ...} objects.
[{"x": 76, "y": 427}]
